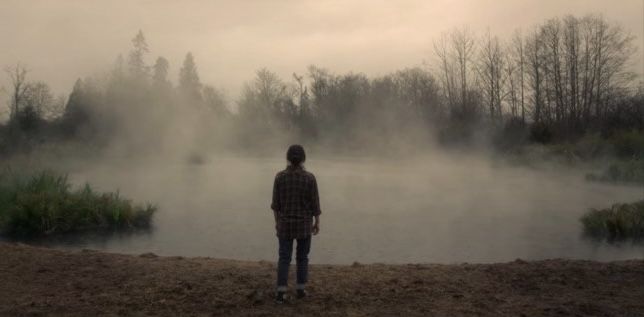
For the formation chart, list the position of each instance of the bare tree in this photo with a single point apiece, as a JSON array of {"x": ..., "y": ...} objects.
[
  {"x": 418, "y": 89},
  {"x": 18, "y": 77},
  {"x": 443, "y": 52},
  {"x": 534, "y": 54},
  {"x": 613, "y": 49},
  {"x": 268, "y": 101},
  {"x": 575, "y": 67},
  {"x": 572, "y": 46},
  {"x": 553, "y": 78},
  {"x": 463, "y": 41},
  {"x": 491, "y": 63},
  {"x": 512, "y": 91},
  {"x": 39, "y": 99},
  {"x": 518, "y": 51},
  {"x": 456, "y": 51}
]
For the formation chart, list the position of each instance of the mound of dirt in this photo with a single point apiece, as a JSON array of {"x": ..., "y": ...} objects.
[{"x": 39, "y": 281}]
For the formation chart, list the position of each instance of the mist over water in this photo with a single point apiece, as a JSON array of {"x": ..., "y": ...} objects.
[
  {"x": 439, "y": 208},
  {"x": 439, "y": 131},
  {"x": 196, "y": 117}
]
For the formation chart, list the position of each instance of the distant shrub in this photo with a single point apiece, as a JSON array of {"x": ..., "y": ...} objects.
[
  {"x": 540, "y": 133},
  {"x": 621, "y": 221},
  {"x": 456, "y": 133},
  {"x": 45, "y": 203},
  {"x": 591, "y": 146},
  {"x": 512, "y": 135},
  {"x": 628, "y": 144},
  {"x": 631, "y": 171}
]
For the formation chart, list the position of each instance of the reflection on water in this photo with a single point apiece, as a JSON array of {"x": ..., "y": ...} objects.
[{"x": 431, "y": 209}]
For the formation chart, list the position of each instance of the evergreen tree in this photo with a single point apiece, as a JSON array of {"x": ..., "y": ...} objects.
[
  {"x": 189, "y": 83},
  {"x": 136, "y": 61},
  {"x": 76, "y": 112},
  {"x": 160, "y": 72}
]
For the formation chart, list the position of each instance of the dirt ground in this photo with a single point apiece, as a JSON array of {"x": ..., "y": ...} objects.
[{"x": 39, "y": 281}]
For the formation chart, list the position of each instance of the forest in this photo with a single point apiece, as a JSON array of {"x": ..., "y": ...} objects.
[{"x": 567, "y": 80}]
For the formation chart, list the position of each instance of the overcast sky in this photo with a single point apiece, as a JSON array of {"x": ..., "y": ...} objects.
[{"x": 62, "y": 40}]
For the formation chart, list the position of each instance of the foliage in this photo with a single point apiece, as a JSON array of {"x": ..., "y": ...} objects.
[
  {"x": 46, "y": 203},
  {"x": 531, "y": 89},
  {"x": 513, "y": 134},
  {"x": 631, "y": 171},
  {"x": 540, "y": 133},
  {"x": 625, "y": 148},
  {"x": 628, "y": 144},
  {"x": 621, "y": 221},
  {"x": 592, "y": 145},
  {"x": 189, "y": 83}
]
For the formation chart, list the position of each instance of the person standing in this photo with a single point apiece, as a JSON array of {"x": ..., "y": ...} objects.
[{"x": 296, "y": 207}]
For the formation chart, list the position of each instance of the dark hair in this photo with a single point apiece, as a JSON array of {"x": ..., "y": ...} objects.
[{"x": 296, "y": 155}]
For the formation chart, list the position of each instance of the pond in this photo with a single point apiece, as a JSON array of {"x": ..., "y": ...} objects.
[{"x": 434, "y": 208}]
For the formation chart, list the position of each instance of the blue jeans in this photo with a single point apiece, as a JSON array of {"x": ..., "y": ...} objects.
[{"x": 301, "y": 258}]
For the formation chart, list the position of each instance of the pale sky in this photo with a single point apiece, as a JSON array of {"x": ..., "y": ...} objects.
[{"x": 62, "y": 40}]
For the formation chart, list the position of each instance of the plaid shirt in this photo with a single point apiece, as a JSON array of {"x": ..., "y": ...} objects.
[{"x": 296, "y": 201}]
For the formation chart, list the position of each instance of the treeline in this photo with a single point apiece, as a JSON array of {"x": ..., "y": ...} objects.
[
  {"x": 564, "y": 78},
  {"x": 134, "y": 104}
]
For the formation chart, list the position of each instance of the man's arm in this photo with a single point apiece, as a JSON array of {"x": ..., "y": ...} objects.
[
  {"x": 315, "y": 202},
  {"x": 275, "y": 205}
]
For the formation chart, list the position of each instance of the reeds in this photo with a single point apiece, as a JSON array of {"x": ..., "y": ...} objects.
[
  {"x": 621, "y": 221},
  {"x": 46, "y": 203}
]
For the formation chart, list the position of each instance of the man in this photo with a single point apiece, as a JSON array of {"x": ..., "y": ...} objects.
[{"x": 295, "y": 204}]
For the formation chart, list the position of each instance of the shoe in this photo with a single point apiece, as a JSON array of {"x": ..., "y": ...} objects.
[
  {"x": 301, "y": 293},
  {"x": 279, "y": 298}
]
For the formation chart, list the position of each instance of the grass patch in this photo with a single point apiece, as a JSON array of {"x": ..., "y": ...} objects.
[
  {"x": 621, "y": 221},
  {"x": 45, "y": 203}
]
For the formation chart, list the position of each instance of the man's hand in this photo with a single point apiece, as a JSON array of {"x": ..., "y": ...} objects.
[
  {"x": 316, "y": 229},
  {"x": 316, "y": 225},
  {"x": 277, "y": 223}
]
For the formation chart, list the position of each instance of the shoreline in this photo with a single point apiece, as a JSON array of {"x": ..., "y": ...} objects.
[{"x": 41, "y": 281}]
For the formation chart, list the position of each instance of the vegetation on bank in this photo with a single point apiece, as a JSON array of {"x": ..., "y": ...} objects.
[
  {"x": 621, "y": 221},
  {"x": 628, "y": 172},
  {"x": 624, "y": 152},
  {"x": 614, "y": 158},
  {"x": 46, "y": 203}
]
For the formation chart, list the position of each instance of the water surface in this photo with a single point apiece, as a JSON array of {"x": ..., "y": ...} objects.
[{"x": 440, "y": 209}]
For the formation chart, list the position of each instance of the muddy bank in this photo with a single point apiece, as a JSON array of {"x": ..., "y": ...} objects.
[{"x": 39, "y": 281}]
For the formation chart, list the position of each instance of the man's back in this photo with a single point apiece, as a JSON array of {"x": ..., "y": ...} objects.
[
  {"x": 296, "y": 201},
  {"x": 295, "y": 194}
]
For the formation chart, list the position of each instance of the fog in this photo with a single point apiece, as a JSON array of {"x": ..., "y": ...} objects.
[
  {"x": 439, "y": 208},
  {"x": 407, "y": 171}
]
